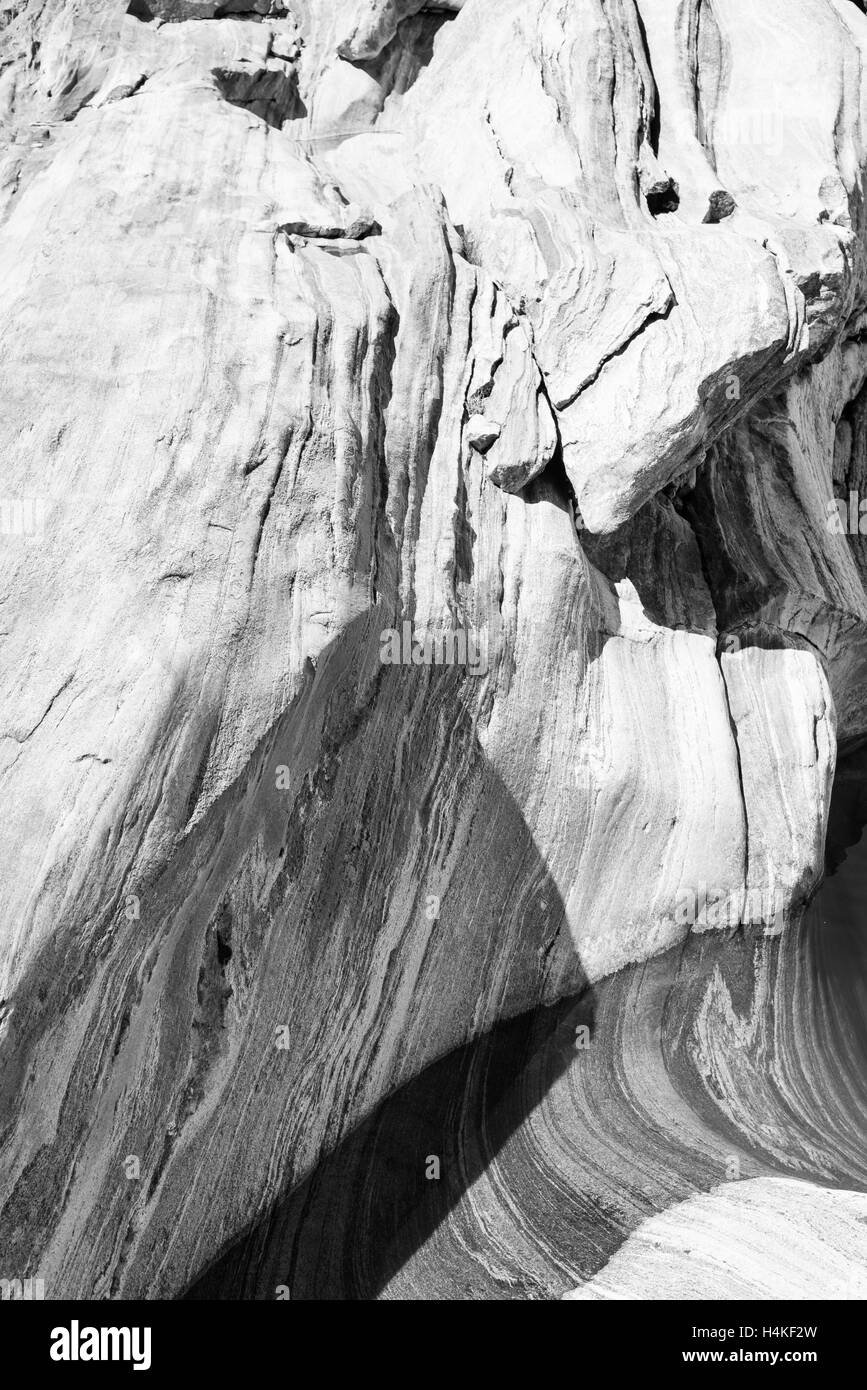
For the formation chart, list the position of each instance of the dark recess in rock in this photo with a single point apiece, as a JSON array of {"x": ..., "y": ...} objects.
[
  {"x": 663, "y": 197},
  {"x": 270, "y": 93}
]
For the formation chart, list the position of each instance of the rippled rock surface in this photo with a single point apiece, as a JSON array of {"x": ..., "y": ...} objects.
[
  {"x": 335, "y": 338},
  {"x": 692, "y": 1127}
]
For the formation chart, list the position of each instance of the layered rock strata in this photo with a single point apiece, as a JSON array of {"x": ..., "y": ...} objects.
[{"x": 537, "y": 321}]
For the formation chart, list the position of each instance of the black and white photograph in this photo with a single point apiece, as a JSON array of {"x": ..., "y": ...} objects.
[{"x": 433, "y": 667}]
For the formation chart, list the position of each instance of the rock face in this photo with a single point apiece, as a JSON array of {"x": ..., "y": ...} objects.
[
  {"x": 692, "y": 1126},
  {"x": 532, "y": 330},
  {"x": 781, "y": 1239}
]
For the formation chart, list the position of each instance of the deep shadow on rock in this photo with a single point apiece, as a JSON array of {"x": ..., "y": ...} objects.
[
  {"x": 739, "y": 1056},
  {"x": 379, "y": 1197}
]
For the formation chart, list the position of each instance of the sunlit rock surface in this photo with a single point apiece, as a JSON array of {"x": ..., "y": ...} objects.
[
  {"x": 768, "y": 1238},
  {"x": 538, "y": 321}
]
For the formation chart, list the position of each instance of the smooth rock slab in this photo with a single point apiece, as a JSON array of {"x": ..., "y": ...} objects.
[{"x": 763, "y": 1239}]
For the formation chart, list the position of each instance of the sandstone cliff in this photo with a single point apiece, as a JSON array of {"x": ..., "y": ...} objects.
[{"x": 544, "y": 321}]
